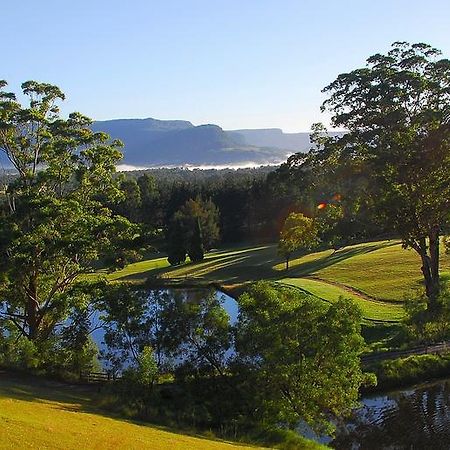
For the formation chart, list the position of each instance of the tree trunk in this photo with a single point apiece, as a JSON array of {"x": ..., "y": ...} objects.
[
  {"x": 32, "y": 309},
  {"x": 287, "y": 262},
  {"x": 430, "y": 266}
]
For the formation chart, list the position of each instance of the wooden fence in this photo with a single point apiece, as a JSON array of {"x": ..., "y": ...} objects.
[{"x": 98, "y": 377}]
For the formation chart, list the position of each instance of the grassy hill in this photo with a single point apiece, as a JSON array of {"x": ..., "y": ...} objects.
[
  {"x": 377, "y": 275},
  {"x": 47, "y": 415}
]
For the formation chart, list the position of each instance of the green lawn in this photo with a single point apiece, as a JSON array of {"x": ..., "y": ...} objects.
[
  {"x": 235, "y": 265},
  {"x": 372, "y": 273},
  {"x": 373, "y": 310},
  {"x": 47, "y": 415}
]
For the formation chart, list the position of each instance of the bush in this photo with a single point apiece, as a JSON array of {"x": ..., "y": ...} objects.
[{"x": 410, "y": 370}]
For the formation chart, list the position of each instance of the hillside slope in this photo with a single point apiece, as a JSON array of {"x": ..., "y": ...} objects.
[
  {"x": 377, "y": 275},
  {"x": 46, "y": 415}
]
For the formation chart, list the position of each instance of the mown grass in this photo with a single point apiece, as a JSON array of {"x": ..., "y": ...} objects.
[
  {"x": 382, "y": 270},
  {"x": 372, "y": 310},
  {"x": 47, "y": 415},
  {"x": 387, "y": 273}
]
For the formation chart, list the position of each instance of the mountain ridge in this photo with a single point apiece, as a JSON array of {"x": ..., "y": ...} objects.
[{"x": 153, "y": 142}]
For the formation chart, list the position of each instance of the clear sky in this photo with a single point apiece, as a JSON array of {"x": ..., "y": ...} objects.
[{"x": 238, "y": 64}]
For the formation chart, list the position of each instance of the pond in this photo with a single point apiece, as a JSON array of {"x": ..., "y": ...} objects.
[
  {"x": 188, "y": 294},
  {"x": 415, "y": 418}
]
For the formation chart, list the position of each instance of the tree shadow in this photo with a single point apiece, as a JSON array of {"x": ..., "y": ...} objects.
[
  {"x": 241, "y": 265},
  {"x": 310, "y": 267},
  {"x": 71, "y": 397},
  {"x": 216, "y": 267}
]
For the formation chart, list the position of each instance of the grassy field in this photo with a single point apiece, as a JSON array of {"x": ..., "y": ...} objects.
[
  {"x": 374, "y": 274},
  {"x": 371, "y": 309},
  {"x": 47, "y": 415}
]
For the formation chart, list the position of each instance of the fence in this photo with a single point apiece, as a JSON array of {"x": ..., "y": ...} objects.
[{"x": 98, "y": 377}]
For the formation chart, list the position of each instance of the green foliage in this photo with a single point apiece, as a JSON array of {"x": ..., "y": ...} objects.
[
  {"x": 147, "y": 368},
  {"x": 54, "y": 224},
  {"x": 299, "y": 232},
  {"x": 410, "y": 370},
  {"x": 425, "y": 325},
  {"x": 53, "y": 356},
  {"x": 195, "y": 249},
  {"x": 131, "y": 203},
  {"x": 396, "y": 112},
  {"x": 300, "y": 356},
  {"x": 198, "y": 332},
  {"x": 330, "y": 226},
  {"x": 193, "y": 228}
]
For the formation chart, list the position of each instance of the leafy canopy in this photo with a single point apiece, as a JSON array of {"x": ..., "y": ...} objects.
[
  {"x": 397, "y": 113},
  {"x": 301, "y": 354},
  {"x": 298, "y": 232},
  {"x": 54, "y": 224}
]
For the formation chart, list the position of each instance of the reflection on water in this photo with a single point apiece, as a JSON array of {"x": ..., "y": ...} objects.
[
  {"x": 194, "y": 295},
  {"x": 409, "y": 419}
]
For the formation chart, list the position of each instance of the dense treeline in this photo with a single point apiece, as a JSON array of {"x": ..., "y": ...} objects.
[
  {"x": 253, "y": 204},
  {"x": 155, "y": 196}
]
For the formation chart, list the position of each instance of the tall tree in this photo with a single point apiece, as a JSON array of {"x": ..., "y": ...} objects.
[
  {"x": 397, "y": 113},
  {"x": 54, "y": 225},
  {"x": 192, "y": 229}
]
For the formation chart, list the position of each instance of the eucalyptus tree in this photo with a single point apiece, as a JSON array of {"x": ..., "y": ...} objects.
[
  {"x": 397, "y": 113},
  {"x": 54, "y": 224}
]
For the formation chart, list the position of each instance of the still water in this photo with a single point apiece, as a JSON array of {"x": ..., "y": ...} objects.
[
  {"x": 417, "y": 418},
  {"x": 188, "y": 294}
]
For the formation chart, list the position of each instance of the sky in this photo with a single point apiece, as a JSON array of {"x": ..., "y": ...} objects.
[{"x": 237, "y": 64}]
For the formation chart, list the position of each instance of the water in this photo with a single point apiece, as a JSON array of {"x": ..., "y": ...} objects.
[
  {"x": 188, "y": 294},
  {"x": 416, "y": 418}
]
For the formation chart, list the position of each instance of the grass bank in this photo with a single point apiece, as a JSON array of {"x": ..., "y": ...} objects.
[{"x": 35, "y": 413}]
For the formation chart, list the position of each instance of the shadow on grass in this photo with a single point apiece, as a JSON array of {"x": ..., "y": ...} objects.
[
  {"x": 241, "y": 265},
  {"x": 36, "y": 389},
  {"x": 310, "y": 267},
  {"x": 72, "y": 398},
  {"x": 238, "y": 266}
]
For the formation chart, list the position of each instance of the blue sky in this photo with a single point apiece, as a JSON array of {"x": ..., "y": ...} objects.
[{"x": 239, "y": 64}]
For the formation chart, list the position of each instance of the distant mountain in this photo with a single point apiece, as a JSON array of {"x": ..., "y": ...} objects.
[
  {"x": 151, "y": 142},
  {"x": 274, "y": 137}
]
